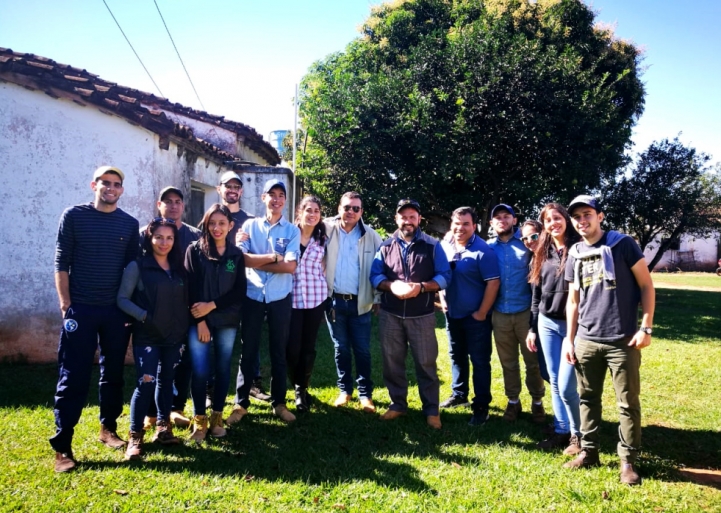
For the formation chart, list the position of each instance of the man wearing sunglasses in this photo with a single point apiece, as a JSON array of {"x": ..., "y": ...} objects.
[
  {"x": 408, "y": 269},
  {"x": 468, "y": 301},
  {"x": 350, "y": 250},
  {"x": 512, "y": 316},
  {"x": 95, "y": 242}
]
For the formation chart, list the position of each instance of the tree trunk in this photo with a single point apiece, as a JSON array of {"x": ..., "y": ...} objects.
[{"x": 665, "y": 245}]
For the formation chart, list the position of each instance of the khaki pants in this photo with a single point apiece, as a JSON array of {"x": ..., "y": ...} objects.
[{"x": 509, "y": 332}]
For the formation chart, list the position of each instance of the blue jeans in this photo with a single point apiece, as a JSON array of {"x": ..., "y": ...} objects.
[
  {"x": 468, "y": 337},
  {"x": 564, "y": 386},
  {"x": 351, "y": 332},
  {"x": 222, "y": 340},
  {"x": 155, "y": 368}
]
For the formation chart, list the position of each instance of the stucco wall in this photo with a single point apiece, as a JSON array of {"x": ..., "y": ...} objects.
[{"x": 693, "y": 254}]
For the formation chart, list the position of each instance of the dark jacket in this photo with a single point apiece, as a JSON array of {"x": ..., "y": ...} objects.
[
  {"x": 165, "y": 299},
  {"x": 222, "y": 281},
  {"x": 417, "y": 267},
  {"x": 550, "y": 295}
]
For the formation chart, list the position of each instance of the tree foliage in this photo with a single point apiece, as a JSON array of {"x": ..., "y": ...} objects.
[
  {"x": 463, "y": 102},
  {"x": 669, "y": 192}
]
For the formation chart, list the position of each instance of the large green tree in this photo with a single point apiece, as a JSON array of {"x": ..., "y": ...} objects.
[
  {"x": 668, "y": 192},
  {"x": 463, "y": 102}
]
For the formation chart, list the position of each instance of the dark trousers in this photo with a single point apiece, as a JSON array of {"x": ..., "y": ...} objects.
[
  {"x": 468, "y": 337},
  {"x": 300, "y": 353},
  {"x": 181, "y": 382},
  {"x": 85, "y": 327},
  {"x": 278, "y": 313},
  {"x": 154, "y": 371}
]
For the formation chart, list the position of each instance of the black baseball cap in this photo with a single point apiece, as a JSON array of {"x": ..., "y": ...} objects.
[
  {"x": 584, "y": 200},
  {"x": 172, "y": 189},
  {"x": 503, "y": 206},
  {"x": 408, "y": 203}
]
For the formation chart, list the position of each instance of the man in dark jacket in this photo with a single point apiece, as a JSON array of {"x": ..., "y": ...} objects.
[{"x": 408, "y": 269}]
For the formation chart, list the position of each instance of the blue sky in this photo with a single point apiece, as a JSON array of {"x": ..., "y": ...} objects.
[{"x": 245, "y": 56}]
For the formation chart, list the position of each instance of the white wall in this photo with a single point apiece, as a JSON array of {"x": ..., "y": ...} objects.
[{"x": 704, "y": 252}]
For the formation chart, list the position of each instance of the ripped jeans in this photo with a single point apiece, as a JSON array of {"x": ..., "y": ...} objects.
[{"x": 155, "y": 366}]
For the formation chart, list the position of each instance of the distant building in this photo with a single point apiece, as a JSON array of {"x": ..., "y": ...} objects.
[
  {"x": 689, "y": 253},
  {"x": 276, "y": 139}
]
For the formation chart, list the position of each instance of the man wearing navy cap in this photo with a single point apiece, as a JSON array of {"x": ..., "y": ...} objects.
[
  {"x": 512, "y": 316},
  {"x": 271, "y": 250}
]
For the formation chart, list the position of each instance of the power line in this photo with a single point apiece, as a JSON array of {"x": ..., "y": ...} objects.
[
  {"x": 179, "y": 57},
  {"x": 133, "y": 49}
]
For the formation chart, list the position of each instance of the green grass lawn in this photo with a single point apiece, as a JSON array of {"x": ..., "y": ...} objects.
[
  {"x": 345, "y": 460},
  {"x": 688, "y": 279}
]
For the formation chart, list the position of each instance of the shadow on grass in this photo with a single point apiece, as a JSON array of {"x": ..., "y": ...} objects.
[{"x": 687, "y": 315}]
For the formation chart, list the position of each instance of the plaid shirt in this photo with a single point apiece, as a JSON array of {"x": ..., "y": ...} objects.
[{"x": 309, "y": 286}]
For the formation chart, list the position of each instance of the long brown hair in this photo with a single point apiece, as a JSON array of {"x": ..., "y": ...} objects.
[
  {"x": 319, "y": 230},
  {"x": 545, "y": 244},
  {"x": 207, "y": 243}
]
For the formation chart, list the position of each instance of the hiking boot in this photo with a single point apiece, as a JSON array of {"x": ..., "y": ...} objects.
[
  {"x": 629, "y": 475},
  {"x": 110, "y": 438},
  {"x": 180, "y": 420},
  {"x": 574, "y": 446},
  {"x": 200, "y": 428},
  {"x": 135, "y": 445},
  {"x": 480, "y": 417},
  {"x": 392, "y": 415},
  {"x": 164, "y": 434},
  {"x": 65, "y": 462},
  {"x": 215, "y": 425},
  {"x": 280, "y": 411},
  {"x": 342, "y": 400},
  {"x": 434, "y": 421},
  {"x": 555, "y": 441},
  {"x": 367, "y": 405},
  {"x": 301, "y": 402},
  {"x": 538, "y": 413},
  {"x": 257, "y": 391},
  {"x": 587, "y": 458},
  {"x": 238, "y": 413},
  {"x": 513, "y": 410},
  {"x": 455, "y": 401}
]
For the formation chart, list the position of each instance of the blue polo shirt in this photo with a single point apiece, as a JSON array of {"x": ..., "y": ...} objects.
[
  {"x": 281, "y": 237},
  {"x": 514, "y": 296},
  {"x": 474, "y": 266}
]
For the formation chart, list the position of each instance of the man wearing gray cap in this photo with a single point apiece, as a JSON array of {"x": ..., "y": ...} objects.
[{"x": 609, "y": 277}]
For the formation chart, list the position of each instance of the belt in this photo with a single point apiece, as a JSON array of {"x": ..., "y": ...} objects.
[{"x": 345, "y": 297}]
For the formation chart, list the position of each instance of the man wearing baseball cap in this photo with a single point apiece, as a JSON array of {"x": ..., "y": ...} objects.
[
  {"x": 512, "y": 316},
  {"x": 609, "y": 277},
  {"x": 94, "y": 244},
  {"x": 408, "y": 269}
]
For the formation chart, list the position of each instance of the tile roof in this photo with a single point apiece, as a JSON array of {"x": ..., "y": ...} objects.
[{"x": 138, "y": 107}]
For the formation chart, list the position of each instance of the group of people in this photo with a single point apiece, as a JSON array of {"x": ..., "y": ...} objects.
[{"x": 561, "y": 290}]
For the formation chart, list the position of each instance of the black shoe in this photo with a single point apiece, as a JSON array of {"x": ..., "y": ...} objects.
[
  {"x": 480, "y": 417},
  {"x": 454, "y": 402},
  {"x": 301, "y": 401},
  {"x": 257, "y": 392}
]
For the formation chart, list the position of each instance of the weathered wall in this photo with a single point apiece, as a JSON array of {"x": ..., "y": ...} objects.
[{"x": 693, "y": 255}]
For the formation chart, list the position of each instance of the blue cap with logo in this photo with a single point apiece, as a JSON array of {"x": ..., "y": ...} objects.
[{"x": 272, "y": 184}]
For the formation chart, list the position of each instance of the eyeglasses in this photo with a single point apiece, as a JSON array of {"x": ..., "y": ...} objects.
[
  {"x": 530, "y": 238},
  {"x": 354, "y": 208},
  {"x": 233, "y": 187}
]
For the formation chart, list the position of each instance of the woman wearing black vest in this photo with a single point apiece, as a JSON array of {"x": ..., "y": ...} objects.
[
  {"x": 153, "y": 291},
  {"x": 217, "y": 283}
]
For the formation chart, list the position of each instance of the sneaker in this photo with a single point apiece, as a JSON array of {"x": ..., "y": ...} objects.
[
  {"x": 367, "y": 405},
  {"x": 538, "y": 413},
  {"x": 455, "y": 401},
  {"x": 513, "y": 410},
  {"x": 238, "y": 413},
  {"x": 200, "y": 428},
  {"x": 392, "y": 415},
  {"x": 257, "y": 392},
  {"x": 574, "y": 446},
  {"x": 110, "y": 438},
  {"x": 180, "y": 420},
  {"x": 587, "y": 458},
  {"x": 280, "y": 411},
  {"x": 301, "y": 402},
  {"x": 164, "y": 434},
  {"x": 215, "y": 425},
  {"x": 480, "y": 417},
  {"x": 629, "y": 475},
  {"x": 342, "y": 400},
  {"x": 555, "y": 441},
  {"x": 65, "y": 462},
  {"x": 149, "y": 423},
  {"x": 434, "y": 421},
  {"x": 135, "y": 445}
]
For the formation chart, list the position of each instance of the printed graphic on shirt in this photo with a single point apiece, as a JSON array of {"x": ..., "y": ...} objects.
[
  {"x": 70, "y": 325},
  {"x": 592, "y": 273},
  {"x": 281, "y": 243},
  {"x": 230, "y": 266}
]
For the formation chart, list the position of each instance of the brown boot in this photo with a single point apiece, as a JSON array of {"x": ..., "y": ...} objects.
[
  {"x": 200, "y": 428},
  {"x": 574, "y": 446},
  {"x": 538, "y": 413},
  {"x": 164, "y": 434},
  {"x": 65, "y": 462},
  {"x": 587, "y": 458},
  {"x": 135, "y": 445},
  {"x": 110, "y": 438},
  {"x": 513, "y": 410},
  {"x": 215, "y": 426},
  {"x": 629, "y": 475}
]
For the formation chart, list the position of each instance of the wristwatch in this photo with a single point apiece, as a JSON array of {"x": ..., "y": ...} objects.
[
  {"x": 423, "y": 288},
  {"x": 647, "y": 331}
]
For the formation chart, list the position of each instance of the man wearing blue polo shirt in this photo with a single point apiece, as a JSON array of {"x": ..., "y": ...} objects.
[
  {"x": 468, "y": 301},
  {"x": 271, "y": 252},
  {"x": 512, "y": 316}
]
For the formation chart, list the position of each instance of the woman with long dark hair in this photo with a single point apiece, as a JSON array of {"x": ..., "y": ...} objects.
[
  {"x": 550, "y": 292},
  {"x": 310, "y": 292},
  {"x": 154, "y": 293},
  {"x": 217, "y": 286}
]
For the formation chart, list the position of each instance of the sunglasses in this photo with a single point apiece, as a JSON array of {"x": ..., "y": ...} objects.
[
  {"x": 530, "y": 238},
  {"x": 163, "y": 220},
  {"x": 354, "y": 208}
]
